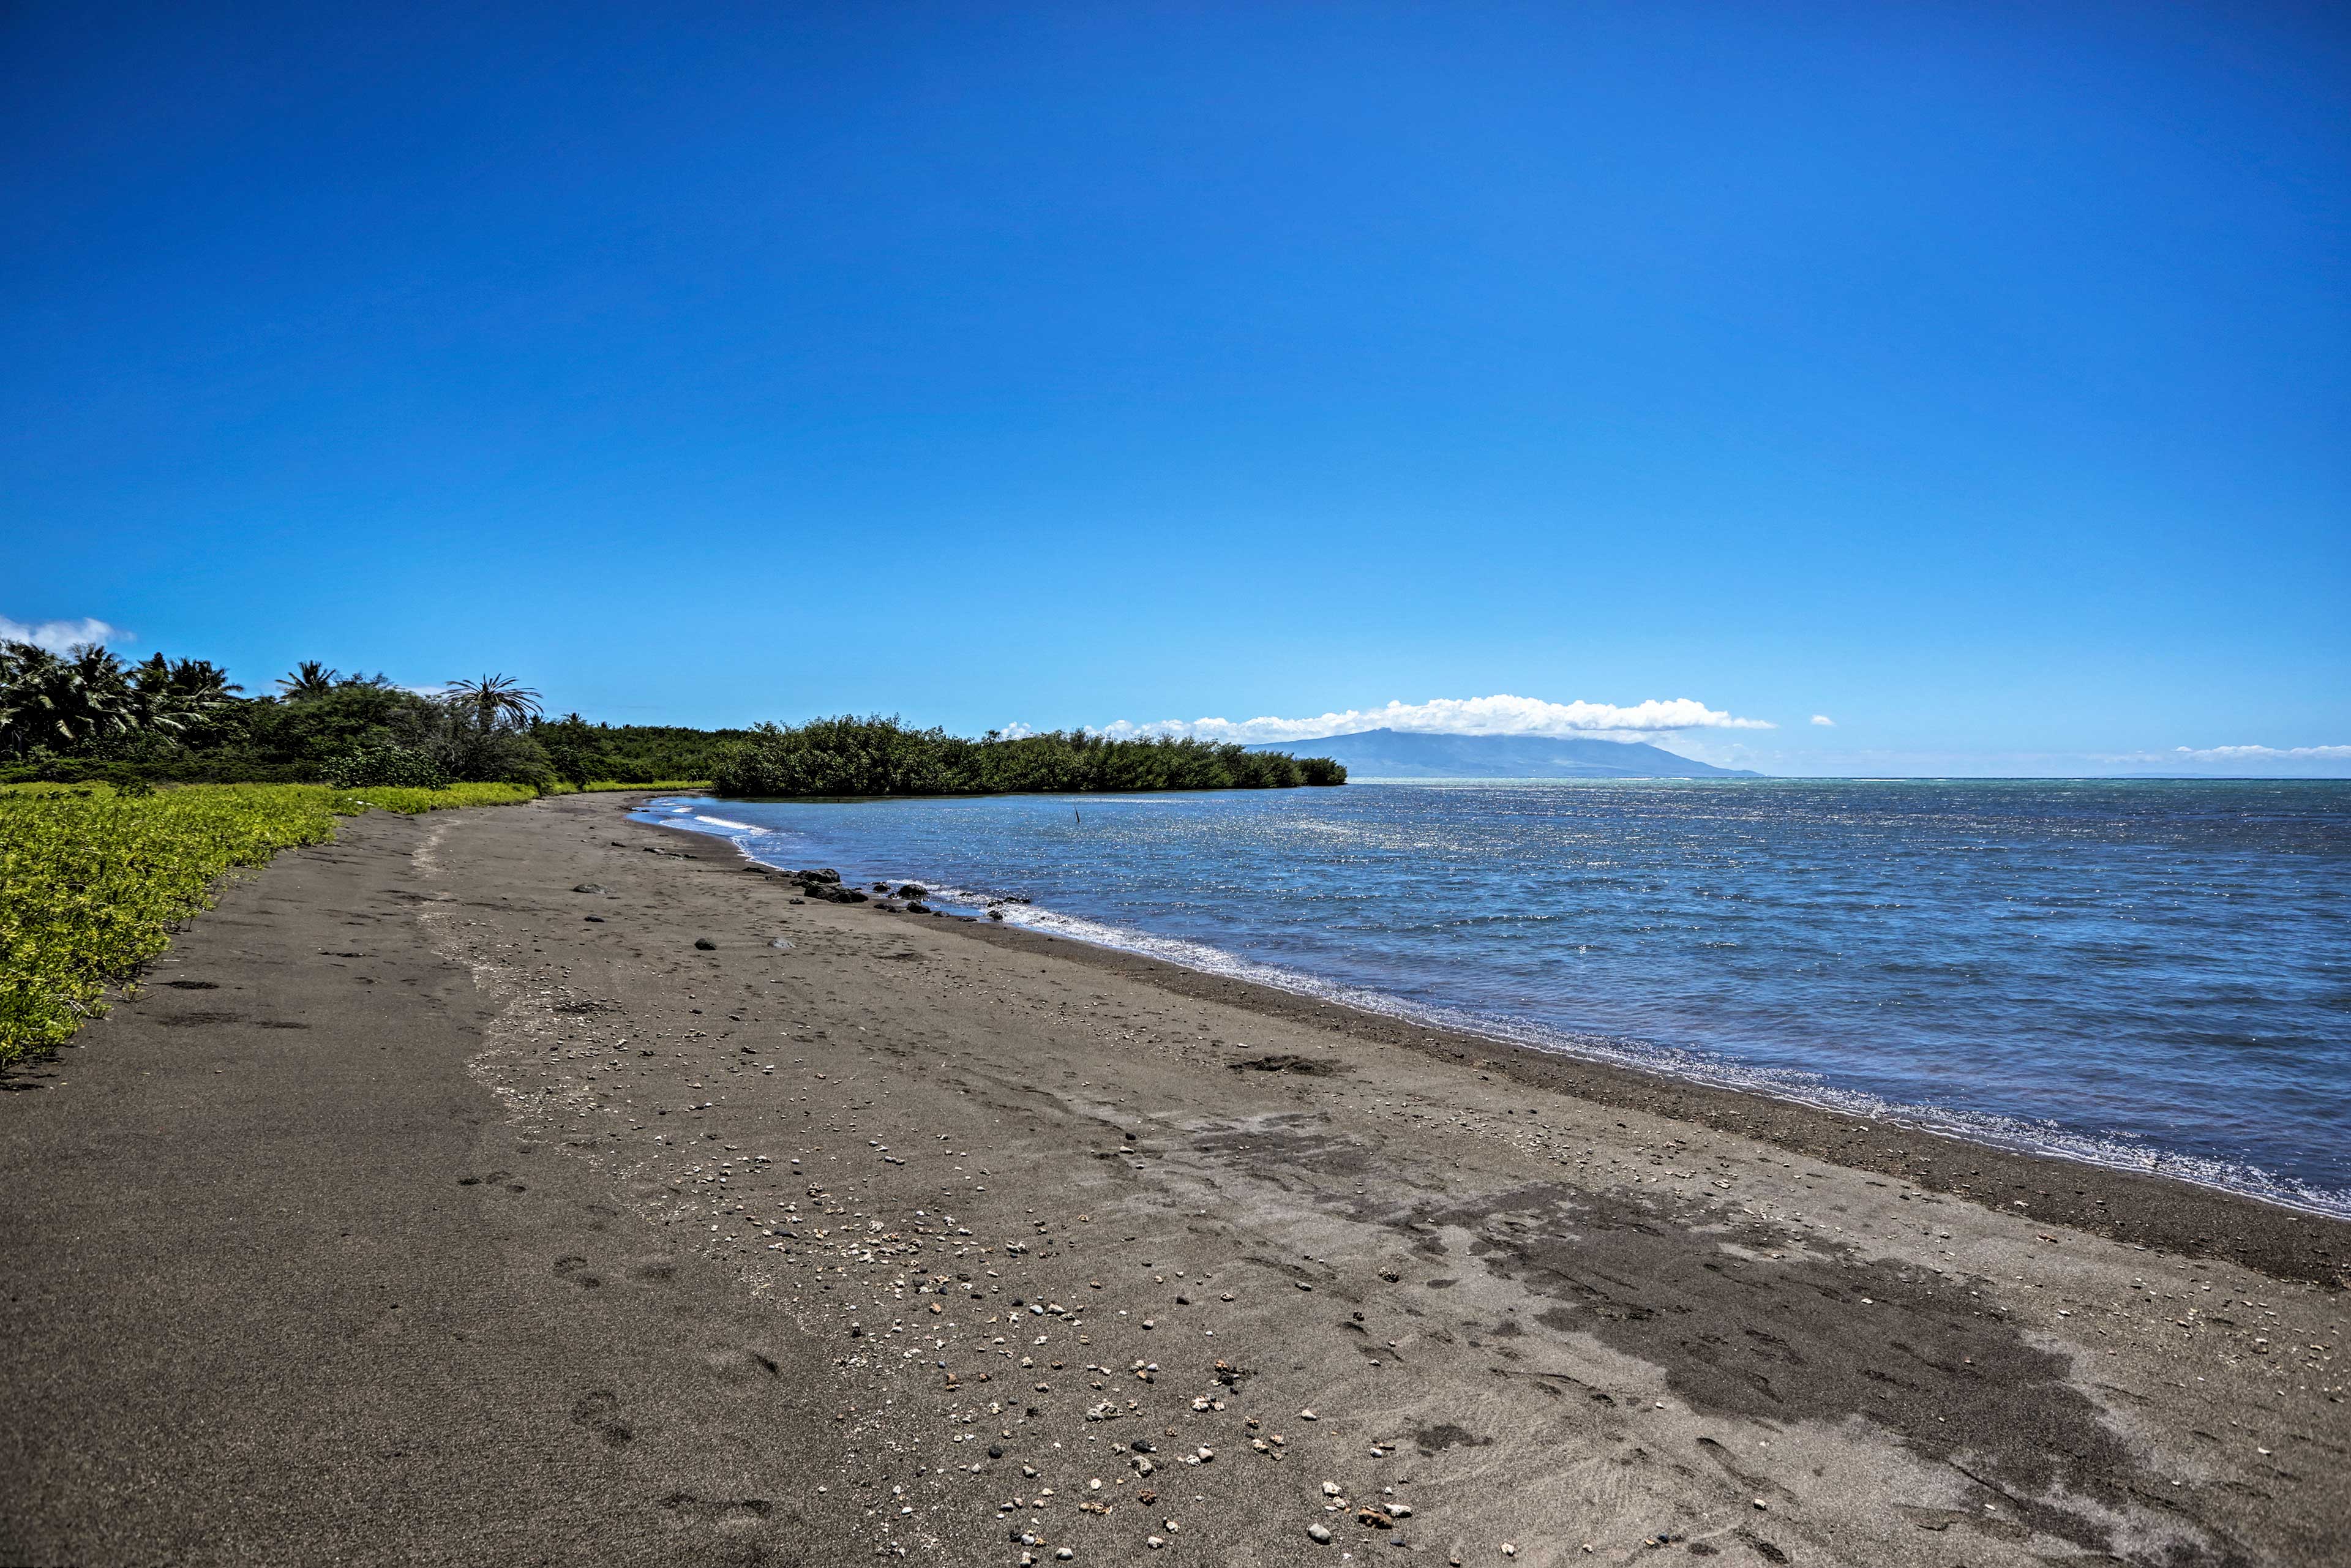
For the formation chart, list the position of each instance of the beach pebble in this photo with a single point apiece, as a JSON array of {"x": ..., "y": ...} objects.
[
  {"x": 705, "y": 944},
  {"x": 1319, "y": 1533},
  {"x": 588, "y": 887}
]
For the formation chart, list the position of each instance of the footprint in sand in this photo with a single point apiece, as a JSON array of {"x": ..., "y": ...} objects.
[
  {"x": 574, "y": 1268},
  {"x": 599, "y": 1412}
]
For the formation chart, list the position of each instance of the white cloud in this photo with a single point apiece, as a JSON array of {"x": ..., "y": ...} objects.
[
  {"x": 1824, "y": 721},
  {"x": 2262, "y": 754},
  {"x": 2227, "y": 761},
  {"x": 1461, "y": 715},
  {"x": 57, "y": 636}
]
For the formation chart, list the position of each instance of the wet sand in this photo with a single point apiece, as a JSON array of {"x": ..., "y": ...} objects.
[{"x": 443, "y": 1212}]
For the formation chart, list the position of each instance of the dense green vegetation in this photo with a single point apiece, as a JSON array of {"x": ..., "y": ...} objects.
[
  {"x": 876, "y": 756},
  {"x": 93, "y": 881},
  {"x": 93, "y": 877},
  {"x": 86, "y": 716},
  {"x": 634, "y": 753}
]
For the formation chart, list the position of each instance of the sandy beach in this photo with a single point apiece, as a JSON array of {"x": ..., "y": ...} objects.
[{"x": 525, "y": 1185}]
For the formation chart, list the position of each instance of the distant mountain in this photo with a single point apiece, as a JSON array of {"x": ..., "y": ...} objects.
[{"x": 1404, "y": 754}]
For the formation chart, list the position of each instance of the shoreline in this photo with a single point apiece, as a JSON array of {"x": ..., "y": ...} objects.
[
  {"x": 540, "y": 1185},
  {"x": 2168, "y": 1214},
  {"x": 2172, "y": 1214}
]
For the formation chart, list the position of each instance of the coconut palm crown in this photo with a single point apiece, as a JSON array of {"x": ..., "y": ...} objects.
[
  {"x": 492, "y": 700},
  {"x": 60, "y": 703},
  {"x": 310, "y": 678}
]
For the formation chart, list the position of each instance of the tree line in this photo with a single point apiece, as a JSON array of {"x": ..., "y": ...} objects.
[
  {"x": 878, "y": 755},
  {"x": 87, "y": 714}
]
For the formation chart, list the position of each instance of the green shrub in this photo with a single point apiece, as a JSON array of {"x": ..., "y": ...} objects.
[
  {"x": 877, "y": 756},
  {"x": 844, "y": 756},
  {"x": 498, "y": 757},
  {"x": 394, "y": 765}
]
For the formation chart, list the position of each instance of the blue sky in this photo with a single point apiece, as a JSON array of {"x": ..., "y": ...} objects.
[{"x": 1977, "y": 377}]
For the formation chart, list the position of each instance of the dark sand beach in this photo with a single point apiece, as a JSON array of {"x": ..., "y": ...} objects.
[{"x": 425, "y": 1207}]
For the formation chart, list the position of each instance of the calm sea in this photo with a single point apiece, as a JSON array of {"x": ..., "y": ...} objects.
[{"x": 2124, "y": 972}]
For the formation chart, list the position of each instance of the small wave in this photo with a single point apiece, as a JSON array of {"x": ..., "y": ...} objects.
[
  {"x": 747, "y": 837},
  {"x": 2112, "y": 1151},
  {"x": 2109, "y": 1150}
]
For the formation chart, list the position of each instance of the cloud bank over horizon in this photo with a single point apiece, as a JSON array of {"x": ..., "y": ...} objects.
[
  {"x": 2216, "y": 762},
  {"x": 2257, "y": 754},
  {"x": 1498, "y": 714},
  {"x": 57, "y": 636}
]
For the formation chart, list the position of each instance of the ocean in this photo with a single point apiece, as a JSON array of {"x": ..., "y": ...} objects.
[{"x": 2140, "y": 974}]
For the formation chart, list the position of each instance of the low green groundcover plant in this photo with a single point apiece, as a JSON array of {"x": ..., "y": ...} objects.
[{"x": 92, "y": 883}]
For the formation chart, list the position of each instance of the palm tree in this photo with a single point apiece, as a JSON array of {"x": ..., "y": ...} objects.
[
  {"x": 23, "y": 670},
  {"x": 492, "y": 700},
  {"x": 171, "y": 692},
  {"x": 63, "y": 704},
  {"x": 310, "y": 679},
  {"x": 187, "y": 682}
]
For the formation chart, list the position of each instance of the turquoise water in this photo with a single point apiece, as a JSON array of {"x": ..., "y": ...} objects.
[{"x": 2126, "y": 972}]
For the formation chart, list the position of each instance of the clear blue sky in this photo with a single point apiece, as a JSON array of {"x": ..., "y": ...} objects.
[{"x": 1977, "y": 377}]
